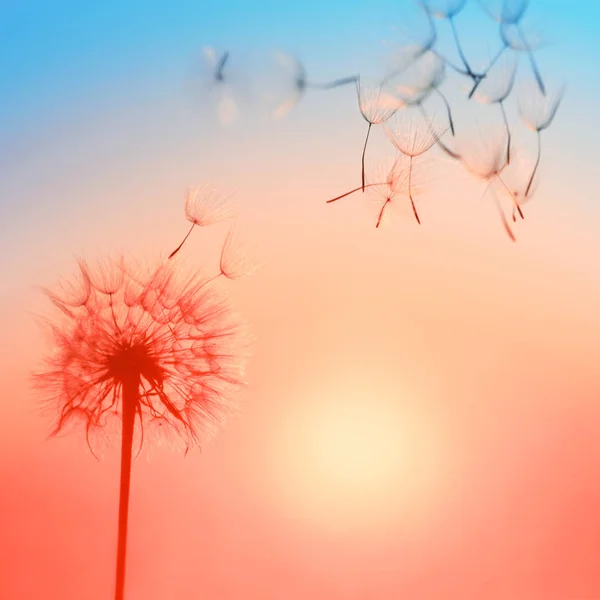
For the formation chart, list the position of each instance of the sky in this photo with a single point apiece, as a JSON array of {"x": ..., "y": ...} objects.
[{"x": 421, "y": 411}]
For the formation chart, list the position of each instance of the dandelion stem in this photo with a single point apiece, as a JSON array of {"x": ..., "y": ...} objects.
[
  {"x": 381, "y": 212},
  {"x": 412, "y": 202},
  {"x": 363, "y": 156},
  {"x": 537, "y": 164},
  {"x": 360, "y": 187},
  {"x": 463, "y": 58},
  {"x": 512, "y": 195},
  {"x": 333, "y": 84},
  {"x": 183, "y": 242},
  {"x": 130, "y": 398},
  {"x": 505, "y": 224},
  {"x": 508, "y": 134},
  {"x": 534, "y": 67},
  {"x": 448, "y": 110}
]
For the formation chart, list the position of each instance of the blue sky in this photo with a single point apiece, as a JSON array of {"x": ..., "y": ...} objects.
[{"x": 51, "y": 51}]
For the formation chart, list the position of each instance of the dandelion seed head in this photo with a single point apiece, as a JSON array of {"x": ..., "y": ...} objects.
[
  {"x": 498, "y": 83},
  {"x": 416, "y": 82},
  {"x": 413, "y": 136},
  {"x": 174, "y": 335},
  {"x": 485, "y": 157},
  {"x": 206, "y": 204},
  {"x": 235, "y": 262},
  {"x": 376, "y": 104},
  {"x": 536, "y": 109}
]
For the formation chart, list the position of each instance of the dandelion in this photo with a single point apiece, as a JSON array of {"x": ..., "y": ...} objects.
[
  {"x": 392, "y": 194},
  {"x": 405, "y": 56},
  {"x": 538, "y": 112},
  {"x": 205, "y": 205},
  {"x": 496, "y": 91},
  {"x": 146, "y": 349},
  {"x": 487, "y": 162},
  {"x": 413, "y": 138},
  {"x": 516, "y": 181},
  {"x": 234, "y": 262},
  {"x": 212, "y": 78},
  {"x": 421, "y": 79},
  {"x": 297, "y": 78},
  {"x": 513, "y": 36},
  {"x": 447, "y": 10},
  {"x": 376, "y": 107}
]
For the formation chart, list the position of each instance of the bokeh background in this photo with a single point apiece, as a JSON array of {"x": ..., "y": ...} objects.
[{"x": 422, "y": 414}]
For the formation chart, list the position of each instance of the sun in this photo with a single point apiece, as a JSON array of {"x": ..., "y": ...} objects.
[{"x": 359, "y": 458}]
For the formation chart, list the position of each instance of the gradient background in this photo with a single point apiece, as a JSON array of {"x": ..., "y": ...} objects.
[{"x": 422, "y": 414}]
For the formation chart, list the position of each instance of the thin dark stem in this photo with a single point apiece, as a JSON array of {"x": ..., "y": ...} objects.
[
  {"x": 381, "y": 212},
  {"x": 507, "y": 228},
  {"x": 450, "y": 64},
  {"x": 183, "y": 242},
  {"x": 363, "y": 156},
  {"x": 448, "y": 110},
  {"x": 534, "y": 67},
  {"x": 463, "y": 58},
  {"x": 412, "y": 202},
  {"x": 333, "y": 84},
  {"x": 130, "y": 400},
  {"x": 512, "y": 195},
  {"x": 220, "y": 66},
  {"x": 360, "y": 187},
  {"x": 508, "y": 134},
  {"x": 481, "y": 77},
  {"x": 537, "y": 163}
]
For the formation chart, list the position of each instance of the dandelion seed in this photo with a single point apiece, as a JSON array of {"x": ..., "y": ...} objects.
[
  {"x": 396, "y": 189},
  {"x": 301, "y": 83},
  {"x": 212, "y": 79},
  {"x": 487, "y": 162},
  {"x": 420, "y": 80},
  {"x": 538, "y": 112},
  {"x": 508, "y": 14},
  {"x": 146, "y": 350},
  {"x": 413, "y": 138},
  {"x": 205, "y": 205},
  {"x": 516, "y": 180},
  {"x": 448, "y": 9},
  {"x": 376, "y": 107},
  {"x": 495, "y": 90},
  {"x": 514, "y": 37},
  {"x": 235, "y": 262}
]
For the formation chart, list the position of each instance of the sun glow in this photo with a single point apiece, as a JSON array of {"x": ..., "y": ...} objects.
[{"x": 361, "y": 458}]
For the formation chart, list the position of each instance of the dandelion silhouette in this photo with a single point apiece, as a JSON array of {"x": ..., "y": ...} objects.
[
  {"x": 205, "y": 205},
  {"x": 151, "y": 349}
]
